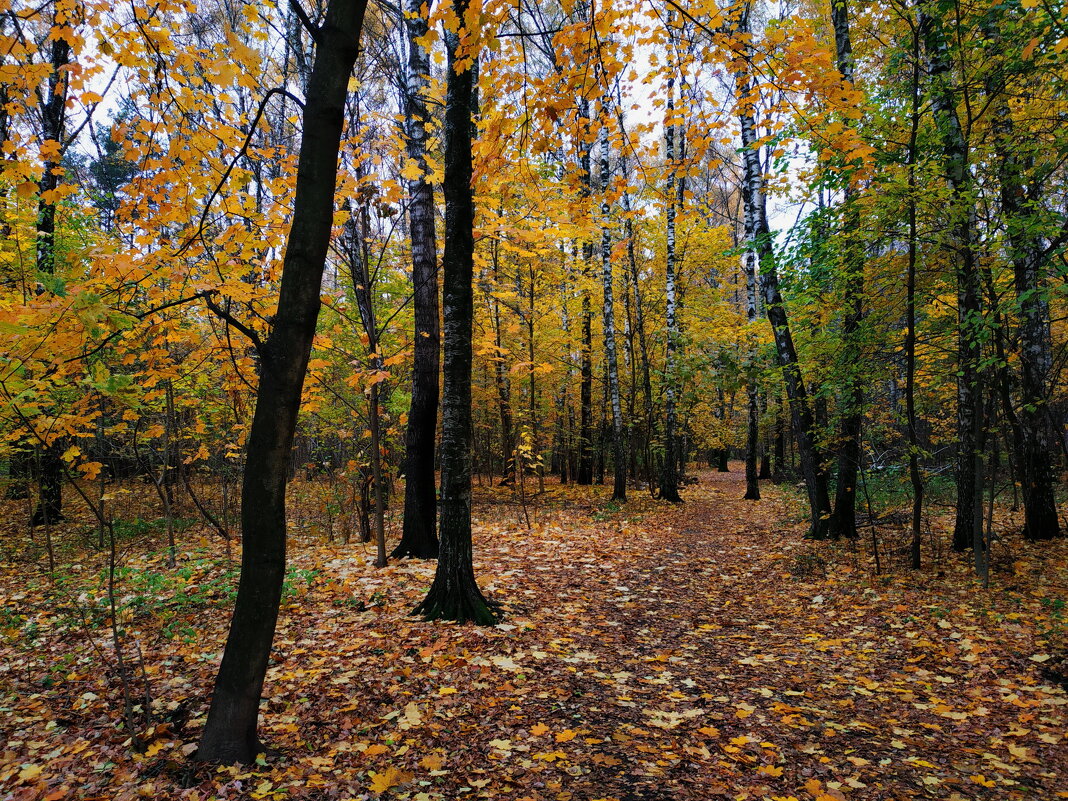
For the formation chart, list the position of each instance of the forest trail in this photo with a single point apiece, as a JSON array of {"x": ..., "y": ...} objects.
[{"x": 647, "y": 653}]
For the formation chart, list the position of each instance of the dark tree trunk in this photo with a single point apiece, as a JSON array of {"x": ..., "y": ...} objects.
[
  {"x": 669, "y": 473},
  {"x": 1020, "y": 191},
  {"x": 639, "y": 322},
  {"x": 781, "y": 468},
  {"x": 419, "y": 537},
  {"x": 230, "y": 732},
  {"x": 759, "y": 236},
  {"x": 455, "y": 595},
  {"x": 962, "y": 214},
  {"x": 49, "y": 508},
  {"x": 584, "y": 474},
  {"x": 752, "y": 429},
  {"x": 910, "y": 320},
  {"x": 843, "y": 522},
  {"x": 53, "y": 118},
  {"x": 502, "y": 382}
]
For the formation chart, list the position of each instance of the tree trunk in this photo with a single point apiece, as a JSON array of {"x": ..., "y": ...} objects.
[
  {"x": 639, "y": 323},
  {"x": 585, "y": 463},
  {"x": 503, "y": 383},
  {"x": 1034, "y": 446},
  {"x": 230, "y": 732},
  {"x": 910, "y": 320},
  {"x": 843, "y": 522},
  {"x": 619, "y": 456},
  {"x": 962, "y": 214},
  {"x": 455, "y": 595},
  {"x": 759, "y": 235},
  {"x": 53, "y": 123},
  {"x": 359, "y": 258},
  {"x": 752, "y": 433},
  {"x": 419, "y": 537},
  {"x": 669, "y": 478}
]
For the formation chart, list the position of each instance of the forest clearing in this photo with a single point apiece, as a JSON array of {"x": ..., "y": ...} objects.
[{"x": 656, "y": 652}]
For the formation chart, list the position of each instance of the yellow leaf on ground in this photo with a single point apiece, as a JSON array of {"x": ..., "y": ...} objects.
[
  {"x": 390, "y": 777},
  {"x": 29, "y": 773}
]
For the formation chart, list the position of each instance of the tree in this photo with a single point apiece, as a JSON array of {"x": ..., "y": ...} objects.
[
  {"x": 455, "y": 594},
  {"x": 960, "y": 238},
  {"x": 1023, "y": 178},
  {"x": 230, "y": 733},
  {"x": 759, "y": 239},
  {"x": 843, "y": 522},
  {"x": 619, "y": 484},
  {"x": 419, "y": 536},
  {"x": 669, "y": 478}
]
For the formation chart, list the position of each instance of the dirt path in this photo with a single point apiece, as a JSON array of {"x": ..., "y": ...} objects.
[{"x": 649, "y": 653}]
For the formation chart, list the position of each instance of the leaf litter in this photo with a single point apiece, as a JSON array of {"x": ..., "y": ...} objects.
[{"x": 646, "y": 653}]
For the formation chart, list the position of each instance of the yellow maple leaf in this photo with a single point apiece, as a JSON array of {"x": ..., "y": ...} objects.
[
  {"x": 566, "y": 735},
  {"x": 29, "y": 773},
  {"x": 390, "y": 777},
  {"x": 539, "y": 729},
  {"x": 411, "y": 171},
  {"x": 432, "y": 762}
]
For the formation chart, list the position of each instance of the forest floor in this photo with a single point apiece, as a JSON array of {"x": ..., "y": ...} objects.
[{"x": 647, "y": 653}]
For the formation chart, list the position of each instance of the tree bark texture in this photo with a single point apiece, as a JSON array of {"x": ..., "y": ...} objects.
[
  {"x": 758, "y": 234},
  {"x": 48, "y": 462},
  {"x": 961, "y": 236},
  {"x": 752, "y": 429},
  {"x": 843, "y": 522},
  {"x": 669, "y": 475},
  {"x": 619, "y": 456},
  {"x": 455, "y": 595},
  {"x": 230, "y": 732},
  {"x": 1027, "y": 252},
  {"x": 419, "y": 537}
]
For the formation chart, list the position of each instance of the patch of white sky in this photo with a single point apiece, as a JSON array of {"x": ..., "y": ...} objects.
[{"x": 706, "y": 96}]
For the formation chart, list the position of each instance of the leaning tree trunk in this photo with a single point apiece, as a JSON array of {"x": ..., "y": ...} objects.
[
  {"x": 962, "y": 214},
  {"x": 619, "y": 455},
  {"x": 759, "y": 238},
  {"x": 230, "y": 732},
  {"x": 419, "y": 537},
  {"x": 843, "y": 522},
  {"x": 455, "y": 595}
]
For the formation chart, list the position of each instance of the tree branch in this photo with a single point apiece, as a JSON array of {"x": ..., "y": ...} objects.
[
  {"x": 243, "y": 151},
  {"x": 305, "y": 21}
]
